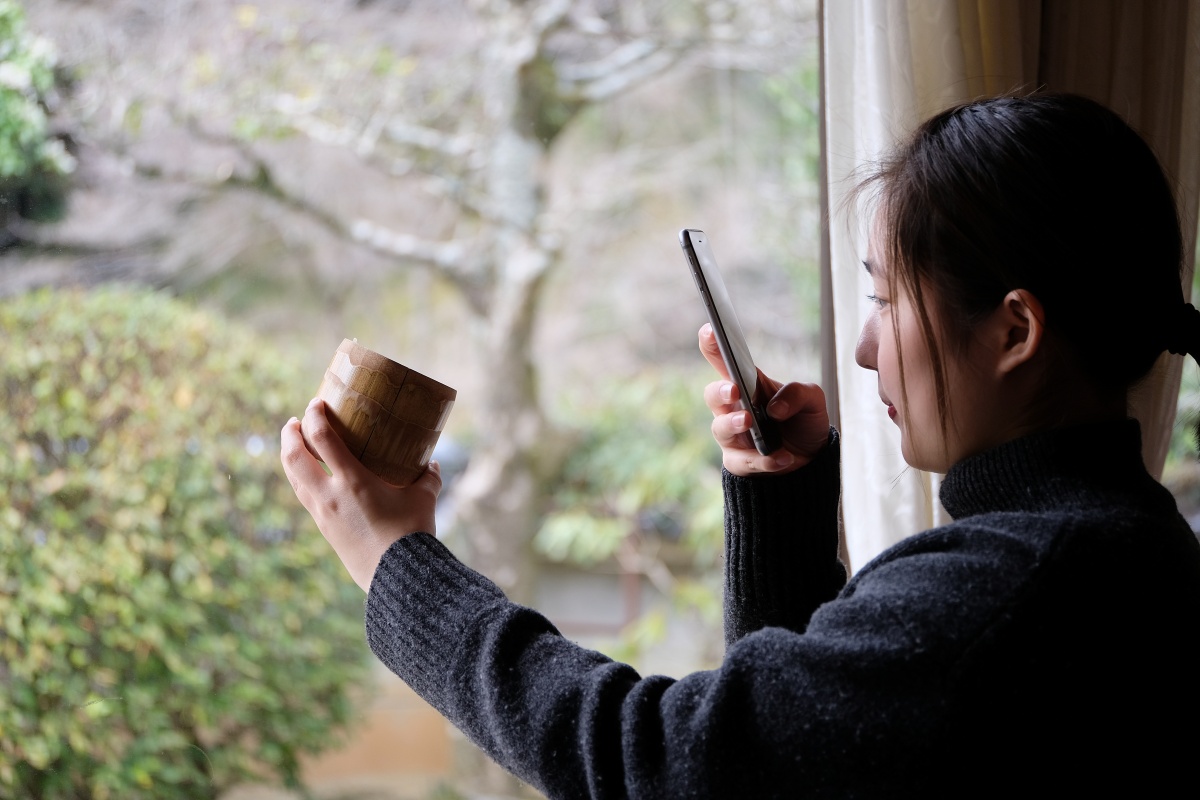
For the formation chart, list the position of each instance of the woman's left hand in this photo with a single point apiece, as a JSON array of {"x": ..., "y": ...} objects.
[
  {"x": 359, "y": 514},
  {"x": 797, "y": 408}
]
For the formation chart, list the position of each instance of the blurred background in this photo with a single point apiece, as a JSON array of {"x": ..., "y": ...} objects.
[{"x": 200, "y": 199}]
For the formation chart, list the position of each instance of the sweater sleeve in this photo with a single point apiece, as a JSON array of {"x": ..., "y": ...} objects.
[
  {"x": 786, "y": 714},
  {"x": 952, "y": 660},
  {"x": 781, "y": 543}
]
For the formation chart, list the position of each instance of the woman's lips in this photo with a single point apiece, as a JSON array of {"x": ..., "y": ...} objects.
[{"x": 891, "y": 408}]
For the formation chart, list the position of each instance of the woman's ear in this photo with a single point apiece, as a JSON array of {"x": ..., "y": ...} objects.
[{"x": 1018, "y": 326}]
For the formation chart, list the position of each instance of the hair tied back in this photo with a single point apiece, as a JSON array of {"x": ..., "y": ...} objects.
[{"x": 1183, "y": 331}]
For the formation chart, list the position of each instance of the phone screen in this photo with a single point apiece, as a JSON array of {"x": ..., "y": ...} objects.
[{"x": 730, "y": 339}]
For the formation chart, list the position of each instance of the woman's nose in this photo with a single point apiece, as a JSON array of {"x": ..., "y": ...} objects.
[{"x": 867, "y": 349}]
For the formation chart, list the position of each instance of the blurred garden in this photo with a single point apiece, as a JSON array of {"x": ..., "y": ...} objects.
[{"x": 200, "y": 199}]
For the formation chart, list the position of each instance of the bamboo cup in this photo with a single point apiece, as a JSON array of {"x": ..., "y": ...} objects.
[{"x": 388, "y": 415}]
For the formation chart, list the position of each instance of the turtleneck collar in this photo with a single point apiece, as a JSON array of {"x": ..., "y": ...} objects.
[{"x": 1084, "y": 465}]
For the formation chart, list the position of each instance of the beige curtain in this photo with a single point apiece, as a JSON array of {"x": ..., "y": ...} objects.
[{"x": 888, "y": 64}]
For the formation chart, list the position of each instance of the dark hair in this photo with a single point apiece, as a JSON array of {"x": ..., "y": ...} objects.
[{"x": 1051, "y": 193}]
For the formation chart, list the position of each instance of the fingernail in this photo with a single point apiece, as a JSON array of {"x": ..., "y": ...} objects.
[
  {"x": 706, "y": 329},
  {"x": 726, "y": 392},
  {"x": 784, "y": 459},
  {"x": 316, "y": 401},
  {"x": 741, "y": 420},
  {"x": 293, "y": 421},
  {"x": 777, "y": 409}
]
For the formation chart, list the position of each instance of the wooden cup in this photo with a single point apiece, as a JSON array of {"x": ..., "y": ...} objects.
[{"x": 388, "y": 415}]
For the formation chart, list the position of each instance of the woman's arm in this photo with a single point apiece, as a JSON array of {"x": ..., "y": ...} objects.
[
  {"x": 773, "y": 719},
  {"x": 785, "y": 714},
  {"x": 835, "y": 712},
  {"x": 781, "y": 510},
  {"x": 781, "y": 543}
]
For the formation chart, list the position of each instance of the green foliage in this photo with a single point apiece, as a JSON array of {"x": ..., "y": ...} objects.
[
  {"x": 646, "y": 631},
  {"x": 445, "y": 792},
  {"x": 33, "y": 164},
  {"x": 1184, "y": 444},
  {"x": 170, "y": 621},
  {"x": 795, "y": 92},
  {"x": 645, "y": 478},
  {"x": 1185, "y": 435},
  {"x": 647, "y": 465}
]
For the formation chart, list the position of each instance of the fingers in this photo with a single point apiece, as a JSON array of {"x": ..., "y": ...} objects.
[
  {"x": 325, "y": 441},
  {"x": 302, "y": 469},
  {"x": 794, "y": 399},
  {"x": 803, "y": 418},
  {"x": 738, "y": 453},
  {"x": 798, "y": 407},
  {"x": 730, "y": 430},
  {"x": 721, "y": 397},
  {"x": 767, "y": 387},
  {"x": 711, "y": 351},
  {"x": 750, "y": 462},
  {"x": 799, "y": 410}
]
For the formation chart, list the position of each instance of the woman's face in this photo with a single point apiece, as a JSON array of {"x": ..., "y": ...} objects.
[{"x": 924, "y": 442}]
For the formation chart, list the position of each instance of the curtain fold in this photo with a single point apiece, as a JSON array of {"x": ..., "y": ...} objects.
[{"x": 888, "y": 64}]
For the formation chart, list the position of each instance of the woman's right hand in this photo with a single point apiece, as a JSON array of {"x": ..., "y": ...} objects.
[{"x": 798, "y": 408}]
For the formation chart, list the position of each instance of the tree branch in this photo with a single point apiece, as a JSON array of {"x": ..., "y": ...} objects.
[
  {"x": 461, "y": 147},
  {"x": 364, "y": 141},
  {"x": 550, "y": 17},
  {"x": 627, "y": 66},
  {"x": 619, "y": 58},
  {"x": 458, "y": 192},
  {"x": 434, "y": 141},
  {"x": 451, "y": 259}
]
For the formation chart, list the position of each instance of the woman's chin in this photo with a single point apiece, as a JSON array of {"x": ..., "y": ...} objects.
[{"x": 919, "y": 458}]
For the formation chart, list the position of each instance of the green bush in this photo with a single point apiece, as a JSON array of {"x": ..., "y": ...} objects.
[
  {"x": 33, "y": 164},
  {"x": 171, "y": 622},
  {"x": 646, "y": 465},
  {"x": 643, "y": 487}
]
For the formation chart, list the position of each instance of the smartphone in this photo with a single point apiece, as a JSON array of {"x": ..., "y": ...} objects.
[{"x": 730, "y": 339}]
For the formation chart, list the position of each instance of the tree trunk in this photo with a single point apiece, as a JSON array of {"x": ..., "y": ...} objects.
[{"x": 502, "y": 494}]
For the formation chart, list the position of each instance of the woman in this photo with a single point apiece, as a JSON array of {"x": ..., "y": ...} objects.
[{"x": 1026, "y": 262}]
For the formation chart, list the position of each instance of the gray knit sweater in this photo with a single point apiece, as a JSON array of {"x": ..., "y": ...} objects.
[{"x": 1042, "y": 642}]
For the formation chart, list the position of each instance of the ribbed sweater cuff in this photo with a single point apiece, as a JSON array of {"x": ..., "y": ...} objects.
[
  {"x": 421, "y": 604},
  {"x": 781, "y": 542}
]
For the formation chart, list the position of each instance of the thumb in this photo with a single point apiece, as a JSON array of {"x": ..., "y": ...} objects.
[
  {"x": 711, "y": 350},
  {"x": 324, "y": 441},
  {"x": 431, "y": 479}
]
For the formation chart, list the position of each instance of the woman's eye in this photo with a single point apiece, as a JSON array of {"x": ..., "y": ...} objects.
[{"x": 878, "y": 301}]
